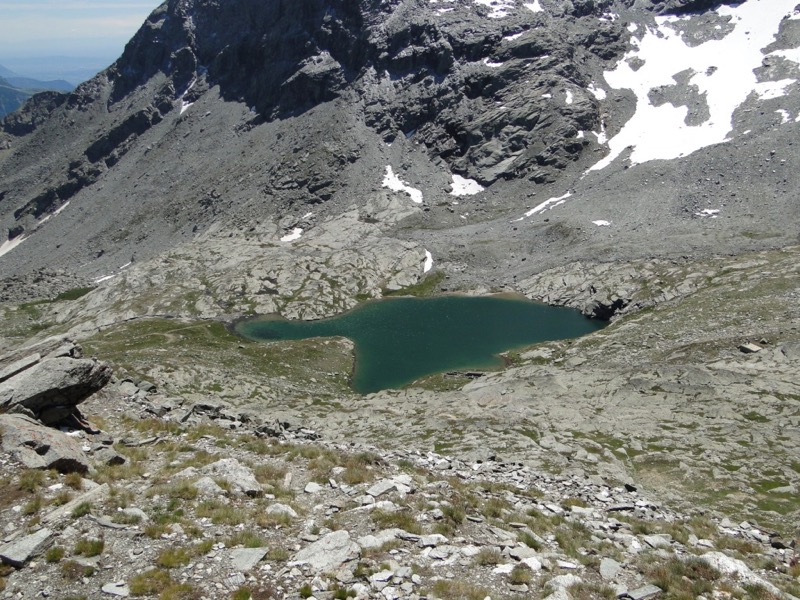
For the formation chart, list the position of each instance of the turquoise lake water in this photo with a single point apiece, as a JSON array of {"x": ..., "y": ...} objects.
[{"x": 399, "y": 340}]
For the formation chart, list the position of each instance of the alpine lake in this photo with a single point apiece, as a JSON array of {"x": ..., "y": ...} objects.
[{"x": 399, "y": 340}]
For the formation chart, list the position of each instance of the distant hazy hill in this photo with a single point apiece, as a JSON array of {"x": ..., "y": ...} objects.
[
  {"x": 15, "y": 90},
  {"x": 26, "y": 83},
  {"x": 11, "y": 98}
]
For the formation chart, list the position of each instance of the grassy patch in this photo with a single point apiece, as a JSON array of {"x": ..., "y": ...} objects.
[
  {"x": 425, "y": 287},
  {"x": 682, "y": 579},
  {"x": 402, "y": 519},
  {"x": 73, "y": 294},
  {"x": 74, "y": 571},
  {"x": 458, "y": 590},
  {"x": 488, "y": 556},
  {"x": 150, "y": 582},
  {"x": 89, "y": 547}
]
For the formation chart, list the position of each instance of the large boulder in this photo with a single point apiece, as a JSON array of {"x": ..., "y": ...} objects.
[
  {"x": 328, "y": 553},
  {"x": 53, "y": 383},
  {"x": 40, "y": 447}
]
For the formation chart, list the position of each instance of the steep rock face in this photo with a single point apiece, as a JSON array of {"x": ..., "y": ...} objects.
[
  {"x": 226, "y": 115},
  {"x": 474, "y": 91}
]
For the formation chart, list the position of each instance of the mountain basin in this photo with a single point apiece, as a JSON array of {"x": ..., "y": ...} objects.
[{"x": 398, "y": 340}]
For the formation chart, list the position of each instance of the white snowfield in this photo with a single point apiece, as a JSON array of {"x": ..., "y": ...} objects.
[
  {"x": 393, "y": 182},
  {"x": 428, "y": 262},
  {"x": 722, "y": 71},
  {"x": 9, "y": 245},
  {"x": 465, "y": 187},
  {"x": 296, "y": 234}
]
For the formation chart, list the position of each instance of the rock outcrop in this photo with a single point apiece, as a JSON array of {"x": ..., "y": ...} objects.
[
  {"x": 42, "y": 385},
  {"x": 50, "y": 387},
  {"x": 39, "y": 447}
]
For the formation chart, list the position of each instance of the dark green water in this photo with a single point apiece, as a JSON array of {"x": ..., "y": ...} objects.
[{"x": 398, "y": 340}]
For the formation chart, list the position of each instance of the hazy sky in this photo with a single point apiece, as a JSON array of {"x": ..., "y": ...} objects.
[{"x": 86, "y": 28}]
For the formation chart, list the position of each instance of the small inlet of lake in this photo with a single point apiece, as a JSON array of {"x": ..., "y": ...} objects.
[{"x": 399, "y": 340}]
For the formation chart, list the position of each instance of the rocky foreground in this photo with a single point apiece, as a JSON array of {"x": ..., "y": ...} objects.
[{"x": 165, "y": 498}]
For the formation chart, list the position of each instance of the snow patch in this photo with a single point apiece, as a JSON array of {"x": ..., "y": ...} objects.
[
  {"x": 489, "y": 63},
  {"x": 785, "y": 116},
  {"x": 394, "y": 183},
  {"x": 708, "y": 212},
  {"x": 546, "y": 205},
  {"x": 632, "y": 27},
  {"x": 106, "y": 278},
  {"x": 580, "y": 135},
  {"x": 569, "y": 98},
  {"x": 769, "y": 90},
  {"x": 185, "y": 106},
  {"x": 499, "y": 8},
  {"x": 534, "y": 6},
  {"x": 9, "y": 245},
  {"x": 597, "y": 92},
  {"x": 514, "y": 36},
  {"x": 59, "y": 210},
  {"x": 602, "y": 136},
  {"x": 723, "y": 72},
  {"x": 548, "y": 96},
  {"x": 602, "y": 223},
  {"x": 296, "y": 233},
  {"x": 465, "y": 187},
  {"x": 428, "y": 262}
]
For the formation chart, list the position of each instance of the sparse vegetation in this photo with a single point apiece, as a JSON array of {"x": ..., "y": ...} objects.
[
  {"x": 54, "y": 554},
  {"x": 89, "y": 547}
]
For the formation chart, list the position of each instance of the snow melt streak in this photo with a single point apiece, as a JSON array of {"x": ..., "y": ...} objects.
[{"x": 723, "y": 71}]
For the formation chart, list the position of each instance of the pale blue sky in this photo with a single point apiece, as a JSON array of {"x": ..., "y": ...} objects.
[{"x": 86, "y": 28}]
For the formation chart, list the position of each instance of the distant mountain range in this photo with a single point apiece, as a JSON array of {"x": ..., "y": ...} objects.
[{"x": 16, "y": 89}]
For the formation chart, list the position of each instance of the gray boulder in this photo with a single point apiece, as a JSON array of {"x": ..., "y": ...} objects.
[
  {"x": 240, "y": 477},
  {"x": 244, "y": 559},
  {"x": 17, "y": 552},
  {"x": 328, "y": 553},
  {"x": 40, "y": 447},
  {"x": 57, "y": 382}
]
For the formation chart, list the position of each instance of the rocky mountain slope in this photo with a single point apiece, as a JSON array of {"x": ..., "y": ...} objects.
[
  {"x": 633, "y": 159},
  {"x": 204, "y": 501}
]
